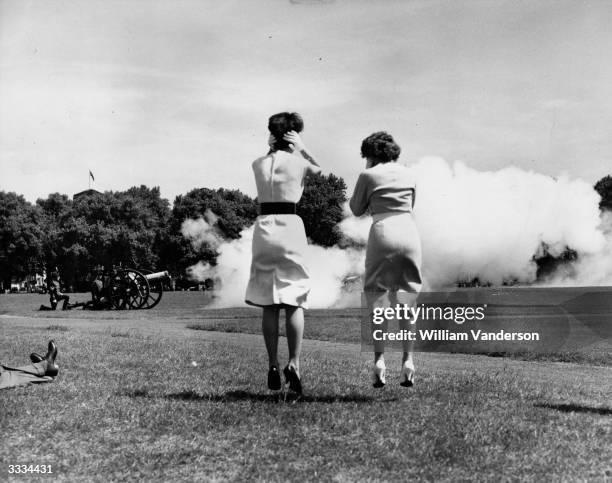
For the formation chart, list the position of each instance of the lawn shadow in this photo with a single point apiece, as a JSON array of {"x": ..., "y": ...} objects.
[
  {"x": 277, "y": 397},
  {"x": 575, "y": 408}
]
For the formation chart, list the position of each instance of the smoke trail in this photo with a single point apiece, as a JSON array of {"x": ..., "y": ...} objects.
[{"x": 473, "y": 224}]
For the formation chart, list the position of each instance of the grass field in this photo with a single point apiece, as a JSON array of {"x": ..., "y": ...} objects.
[{"x": 130, "y": 404}]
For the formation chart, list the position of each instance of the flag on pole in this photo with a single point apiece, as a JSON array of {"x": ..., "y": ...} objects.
[{"x": 91, "y": 175}]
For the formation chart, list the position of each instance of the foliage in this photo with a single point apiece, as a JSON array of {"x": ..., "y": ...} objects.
[
  {"x": 137, "y": 228},
  {"x": 21, "y": 237},
  {"x": 233, "y": 209},
  {"x": 230, "y": 211},
  {"x": 604, "y": 188},
  {"x": 104, "y": 228},
  {"x": 321, "y": 208}
]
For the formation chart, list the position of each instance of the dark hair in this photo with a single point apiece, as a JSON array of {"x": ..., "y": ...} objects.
[
  {"x": 280, "y": 124},
  {"x": 380, "y": 147}
]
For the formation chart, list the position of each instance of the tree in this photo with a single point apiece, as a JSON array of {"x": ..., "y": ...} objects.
[
  {"x": 321, "y": 208},
  {"x": 127, "y": 227},
  {"x": 604, "y": 188},
  {"x": 20, "y": 237},
  {"x": 232, "y": 211},
  {"x": 56, "y": 210}
]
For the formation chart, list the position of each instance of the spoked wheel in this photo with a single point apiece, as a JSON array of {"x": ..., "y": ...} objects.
[
  {"x": 156, "y": 290},
  {"x": 129, "y": 289}
]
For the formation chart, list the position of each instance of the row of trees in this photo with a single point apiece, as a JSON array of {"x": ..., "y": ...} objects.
[{"x": 139, "y": 228}]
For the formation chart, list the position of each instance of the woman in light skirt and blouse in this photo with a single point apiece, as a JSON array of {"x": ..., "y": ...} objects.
[
  {"x": 279, "y": 278},
  {"x": 387, "y": 191}
]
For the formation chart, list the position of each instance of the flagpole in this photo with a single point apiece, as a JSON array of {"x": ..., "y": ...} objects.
[{"x": 89, "y": 179}]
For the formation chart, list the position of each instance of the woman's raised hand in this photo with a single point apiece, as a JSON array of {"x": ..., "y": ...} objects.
[{"x": 295, "y": 141}]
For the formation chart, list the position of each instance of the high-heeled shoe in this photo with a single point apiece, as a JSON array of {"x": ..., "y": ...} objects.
[
  {"x": 379, "y": 374},
  {"x": 35, "y": 357},
  {"x": 292, "y": 379},
  {"x": 407, "y": 375},
  {"x": 274, "y": 380}
]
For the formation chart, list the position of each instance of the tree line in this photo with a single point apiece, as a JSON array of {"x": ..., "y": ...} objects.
[{"x": 138, "y": 228}]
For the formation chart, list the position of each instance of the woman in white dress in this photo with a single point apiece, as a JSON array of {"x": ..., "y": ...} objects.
[
  {"x": 387, "y": 191},
  {"x": 279, "y": 278}
]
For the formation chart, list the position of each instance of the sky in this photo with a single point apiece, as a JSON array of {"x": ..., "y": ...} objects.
[{"x": 177, "y": 94}]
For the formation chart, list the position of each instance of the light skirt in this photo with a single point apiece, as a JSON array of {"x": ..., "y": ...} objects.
[
  {"x": 393, "y": 256},
  {"x": 278, "y": 273}
]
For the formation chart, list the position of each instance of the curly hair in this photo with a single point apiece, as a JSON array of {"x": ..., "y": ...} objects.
[
  {"x": 380, "y": 147},
  {"x": 280, "y": 124}
]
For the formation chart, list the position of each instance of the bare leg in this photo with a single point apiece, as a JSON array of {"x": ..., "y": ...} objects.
[
  {"x": 269, "y": 326},
  {"x": 295, "y": 333},
  {"x": 404, "y": 324},
  {"x": 407, "y": 345},
  {"x": 379, "y": 345}
]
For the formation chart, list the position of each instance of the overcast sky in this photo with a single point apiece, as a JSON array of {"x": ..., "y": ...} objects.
[{"x": 177, "y": 94}]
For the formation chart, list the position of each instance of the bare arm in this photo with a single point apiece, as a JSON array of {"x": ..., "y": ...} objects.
[{"x": 297, "y": 144}]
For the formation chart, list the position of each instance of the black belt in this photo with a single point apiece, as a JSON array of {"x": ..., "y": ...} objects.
[{"x": 277, "y": 208}]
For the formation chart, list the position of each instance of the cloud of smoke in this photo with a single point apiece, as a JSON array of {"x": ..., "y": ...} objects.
[
  {"x": 203, "y": 231},
  {"x": 491, "y": 224},
  {"x": 589, "y": 269},
  {"x": 473, "y": 224},
  {"x": 328, "y": 266}
]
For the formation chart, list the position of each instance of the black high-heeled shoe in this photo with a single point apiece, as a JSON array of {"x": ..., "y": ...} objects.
[
  {"x": 35, "y": 357},
  {"x": 407, "y": 374},
  {"x": 293, "y": 379},
  {"x": 274, "y": 380}
]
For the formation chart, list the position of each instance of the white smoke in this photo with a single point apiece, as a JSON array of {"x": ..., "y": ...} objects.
[
  {"x": 491, "y": 224},
  {"x": 590, "y": 269},
  {"x": 473, "y": 224},
  {"x": 203, "y": 231},
  {"x": 328, "y": 267}
]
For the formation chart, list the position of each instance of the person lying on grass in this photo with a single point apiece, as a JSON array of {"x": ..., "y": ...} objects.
[{"x": 42, "y": 369}]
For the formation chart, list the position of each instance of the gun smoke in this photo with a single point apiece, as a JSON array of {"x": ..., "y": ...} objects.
[{"x": 485, "y": 225}]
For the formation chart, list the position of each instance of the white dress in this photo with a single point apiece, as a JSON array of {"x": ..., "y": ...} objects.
[{"x": 279, "y": 275}]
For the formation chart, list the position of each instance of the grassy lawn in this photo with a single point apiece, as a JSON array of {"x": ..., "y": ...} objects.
[{"x": 130, "y": 404}]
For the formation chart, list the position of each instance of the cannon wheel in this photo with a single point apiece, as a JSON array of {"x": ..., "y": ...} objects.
[
  {"x": 156, "y": 290},
  {"x": 129, "y": 289}
]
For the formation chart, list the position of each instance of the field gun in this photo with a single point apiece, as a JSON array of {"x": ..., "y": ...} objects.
[{"x": 135, "y": 289}]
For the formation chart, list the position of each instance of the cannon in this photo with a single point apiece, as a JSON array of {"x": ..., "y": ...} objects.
[
  {"x": 116, "y": 288},
  {"x": 134, "y": 289}
]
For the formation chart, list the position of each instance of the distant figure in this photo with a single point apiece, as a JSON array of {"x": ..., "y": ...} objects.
[
  {"x": 393, "y": 257},
  {"x": 55, "y": 292},
  {"x": 99, "y": 298},
  {"x": 42, "y": 369},
  {"x": 279, "y": 277}
]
